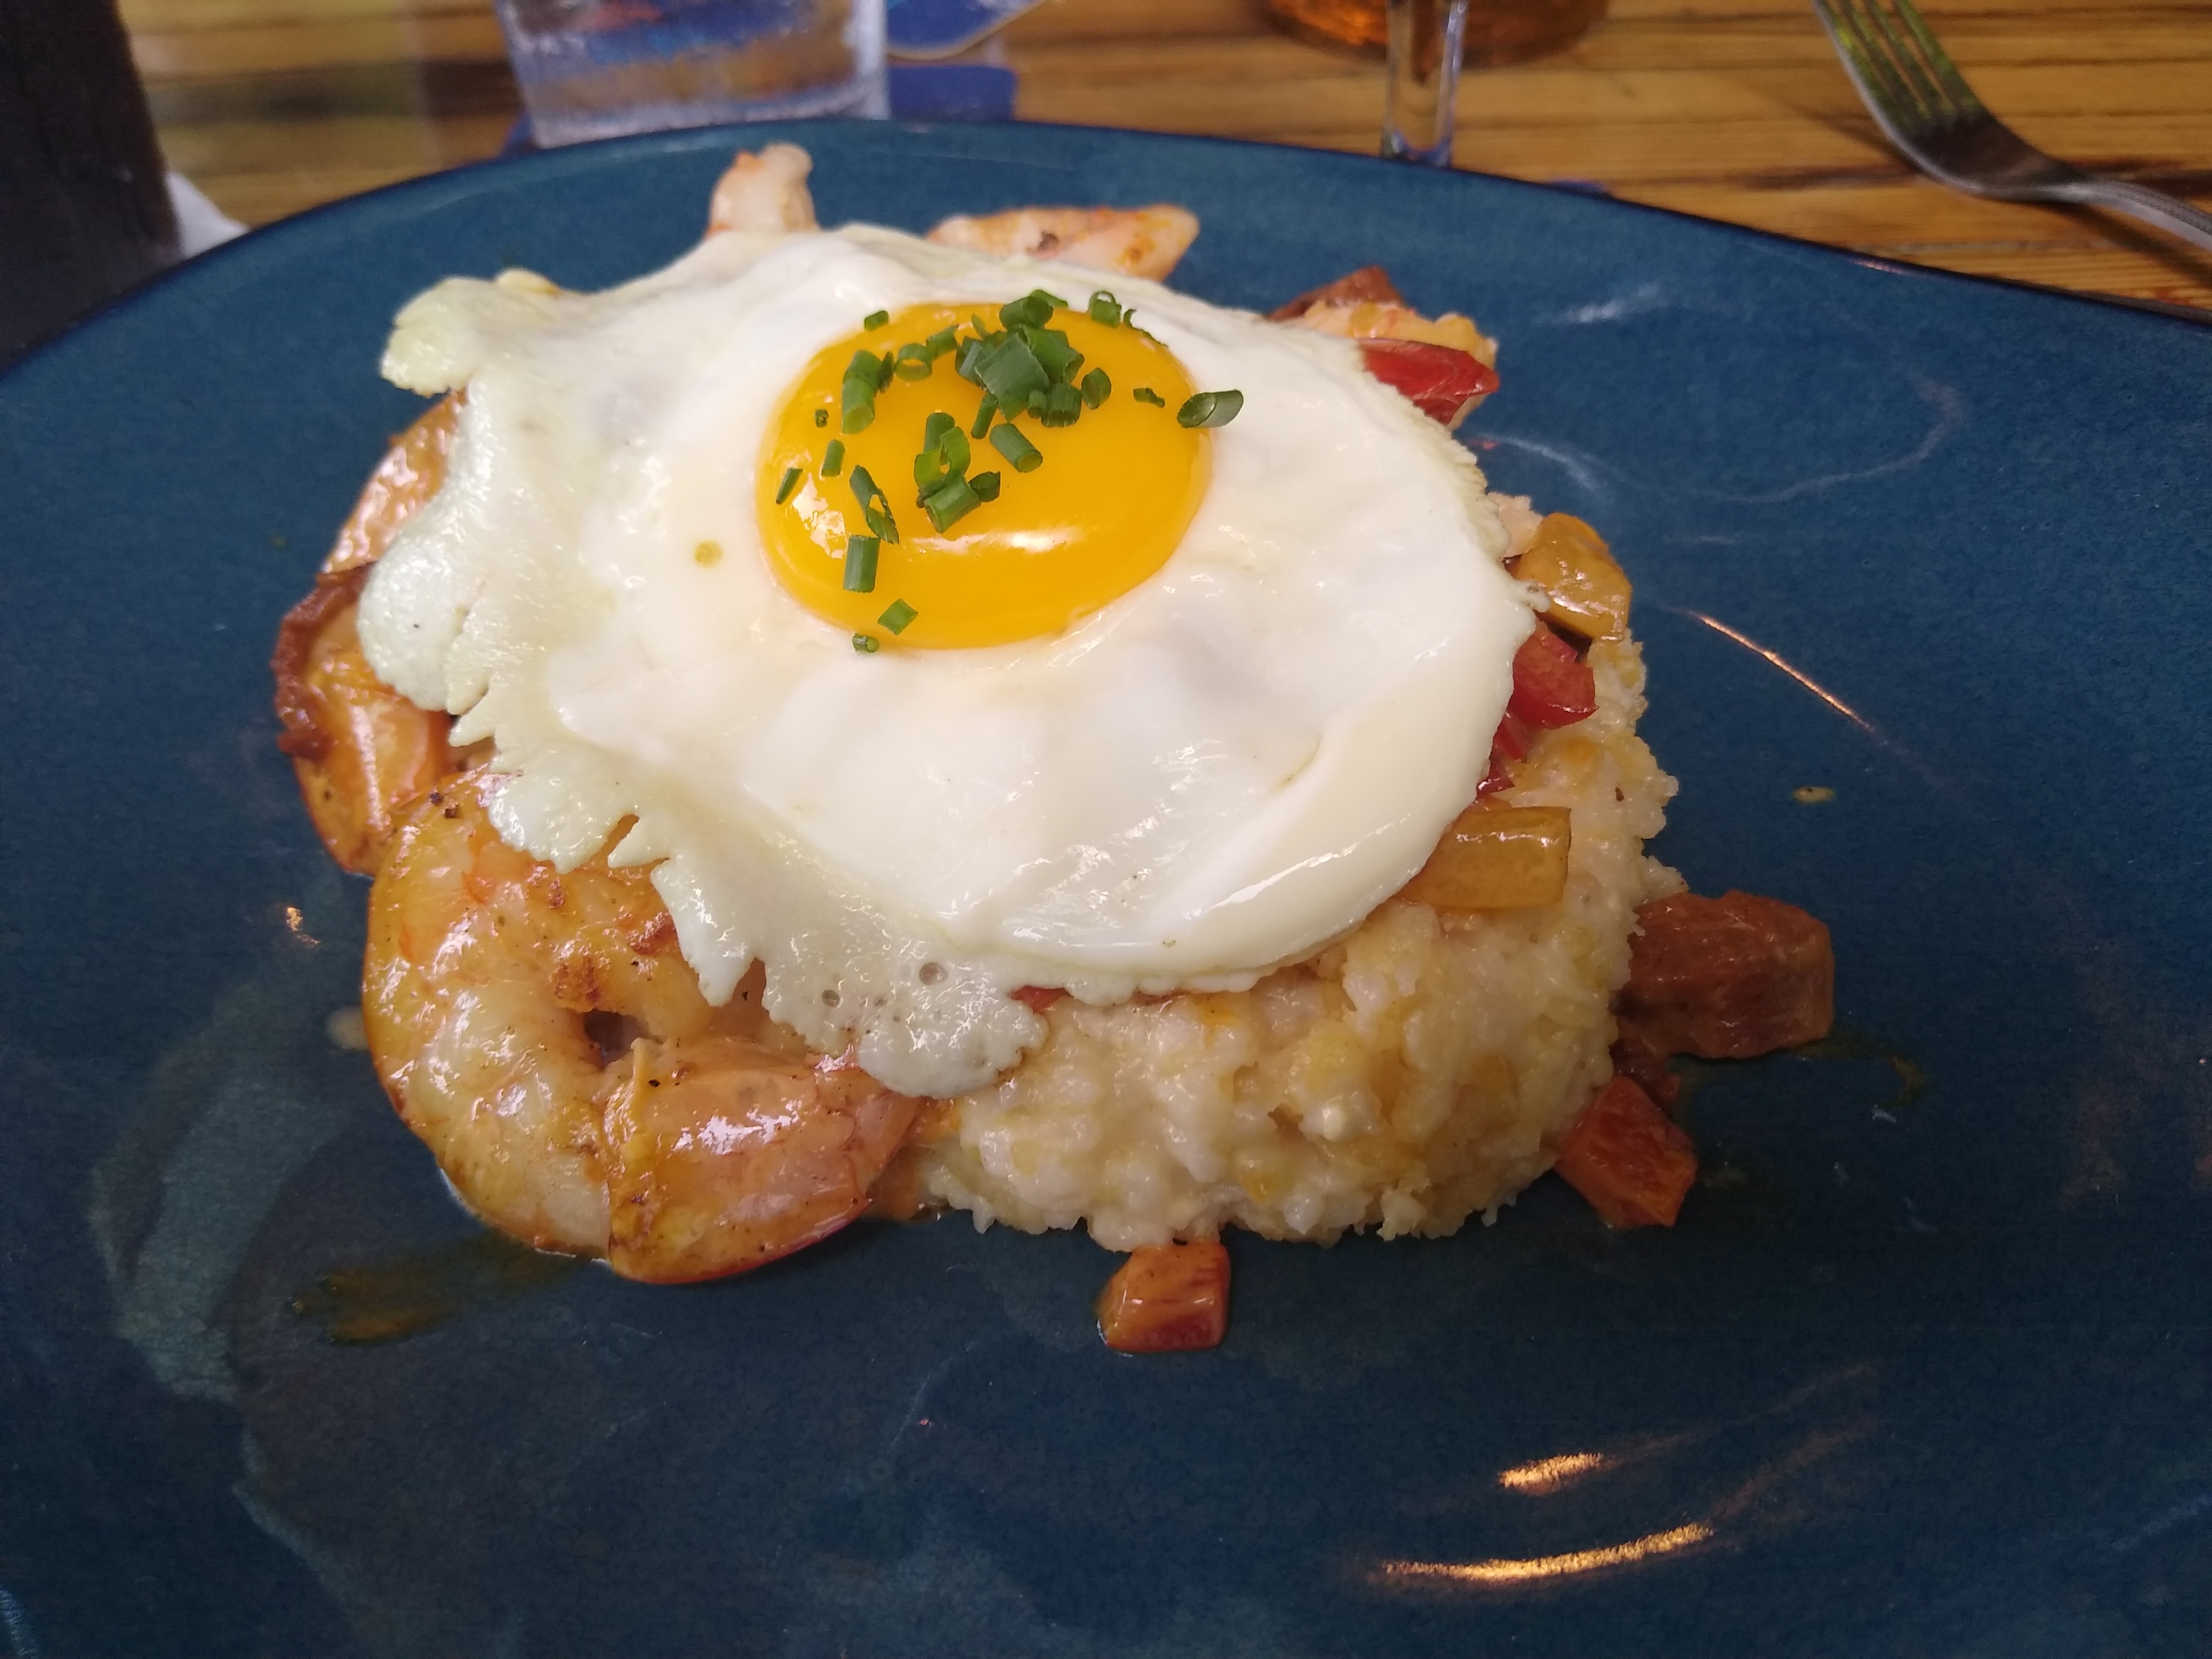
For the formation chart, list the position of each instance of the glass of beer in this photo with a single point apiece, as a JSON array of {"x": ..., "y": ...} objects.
[{"x": 1496, "y": 32}]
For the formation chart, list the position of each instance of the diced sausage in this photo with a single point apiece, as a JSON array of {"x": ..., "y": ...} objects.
[
  {"x": 1628, "y": 1158},
  {"x": 1368, "y": 284},
  {"x": 1727, "y": 978},
  {"x": 1167, "y": 1298}
]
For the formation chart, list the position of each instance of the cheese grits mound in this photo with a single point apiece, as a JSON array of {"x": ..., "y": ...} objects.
[{"x": 1414, "y": 1074}]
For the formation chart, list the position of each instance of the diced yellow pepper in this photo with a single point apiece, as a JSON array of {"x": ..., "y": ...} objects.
[
  {"x": 1570, "y": 562},
  {"x": 1497, "y": 858}
]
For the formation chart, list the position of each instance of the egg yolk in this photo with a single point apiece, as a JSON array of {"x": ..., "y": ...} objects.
[{"x": 1107, "y": 499}]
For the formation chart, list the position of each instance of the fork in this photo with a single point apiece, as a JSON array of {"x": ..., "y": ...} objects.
[{"x": 1918, "y": 98}]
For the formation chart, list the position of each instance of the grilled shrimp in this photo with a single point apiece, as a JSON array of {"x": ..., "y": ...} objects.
[
  {"x": 362, "y": 751},
  {"x": 542, "y": 1033},
  {"x": 408, "y": 476},
  {"x": 1133, "y": 241},
  {"x": 767, "y": 191}
]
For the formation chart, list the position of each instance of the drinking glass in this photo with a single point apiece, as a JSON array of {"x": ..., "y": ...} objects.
[
  {"x": 1423, "y": 48},
  {"x": 595, "y": 69}
]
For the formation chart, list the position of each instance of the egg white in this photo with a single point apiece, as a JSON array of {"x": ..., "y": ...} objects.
[{"x": 1212, "y": 776}]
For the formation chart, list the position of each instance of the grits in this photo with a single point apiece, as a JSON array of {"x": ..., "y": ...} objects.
[{"x": 1410, "y": 1075}]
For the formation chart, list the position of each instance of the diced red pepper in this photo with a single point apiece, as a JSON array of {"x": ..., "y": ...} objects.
[
  {"x": 1497, "y": 780},
  {"x": 1551, "y": 685},
  {"x": 1167, "y": 1298},
  {"x": 1513, "y": 737},
  {"x": 1441, "y": 380},
  {"x": 1037, "y": 998},
  {"x": 1628, "y": 1158}
]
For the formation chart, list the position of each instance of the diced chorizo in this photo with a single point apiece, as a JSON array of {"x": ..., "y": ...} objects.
[
  {"x": 1370, "y": 284},
  {"x": 1628, "y": 1158},
  {"x": 1727, "y": 978},
  {"x": 1167, "y": 1298}
]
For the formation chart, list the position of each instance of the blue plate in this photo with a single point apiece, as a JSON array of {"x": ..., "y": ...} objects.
[{"x": 1926, "y": 1369}]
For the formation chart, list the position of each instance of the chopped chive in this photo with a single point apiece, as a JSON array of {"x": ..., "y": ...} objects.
[
  {"x": 860, "y": 563},
  {"x": 911, "y": 362},
  {"x": 942, "y": 462},
  {"x": 935, "y": 427},
  {"x": 1063, "y": 405},
  {"x": 1105, "y": 309},
  {"x": 821, "y": 417},
  {"x": 874, "y": 507},
  {"x": 939, "y": 343},
  {"x": 1097, "y": 387},
  {"x": 1145, "y": 394},
  {"x": 984, "y": 417},
  {"x": 790, "y": 482},
  {"x": 1019, "y": 451},
  {"x": 875, "y": 319},
  {"x": 833, "y": 459},
  {"x": 1059, "y": 359},
  {"x": 856, "y": 399},
  {"x": 971, "y": 354},
  {"x": 1031, "y": 309},
  {"x": 985, "y": 486},
  {"x": 1036, "y": 405},
  {"x": 897, "y": 615},
  {"x": 953, "y": 446},
  {"x": 1010, "y": 371},
  {"x": 866, "y": 644},
  {"x": 1210, "y": 409},
  {"x": 949, "y": 504}
]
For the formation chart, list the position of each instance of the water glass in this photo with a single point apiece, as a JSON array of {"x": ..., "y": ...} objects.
[
  {"x": 1424, "y": 55},
  {"x": 596, "y": 69}
]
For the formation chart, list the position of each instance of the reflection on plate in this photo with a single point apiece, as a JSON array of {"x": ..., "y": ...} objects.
[{"x": 1925, "y": 1369}]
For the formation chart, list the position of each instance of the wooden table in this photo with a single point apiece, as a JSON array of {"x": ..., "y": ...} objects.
[{"x": 1735, "y": 109}]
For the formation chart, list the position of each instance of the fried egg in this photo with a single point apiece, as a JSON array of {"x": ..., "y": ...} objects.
[{"x": 1175, "y": 705}]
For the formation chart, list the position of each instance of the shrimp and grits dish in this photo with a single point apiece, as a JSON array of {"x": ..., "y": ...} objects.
[{"x": 855, "y": 721}]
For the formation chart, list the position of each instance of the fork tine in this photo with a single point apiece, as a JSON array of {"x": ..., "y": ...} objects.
[
  {"x": 1923, "y": 96},
  {"x": 1937, "y": 61},
  {"x": 1869, "y": 65}
]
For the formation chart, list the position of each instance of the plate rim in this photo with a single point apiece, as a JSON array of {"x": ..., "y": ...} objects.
[{"x": 2194, "y": 320}]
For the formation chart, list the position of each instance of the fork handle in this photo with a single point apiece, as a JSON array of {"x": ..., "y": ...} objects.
[{"x": 2152, "y": 207}]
